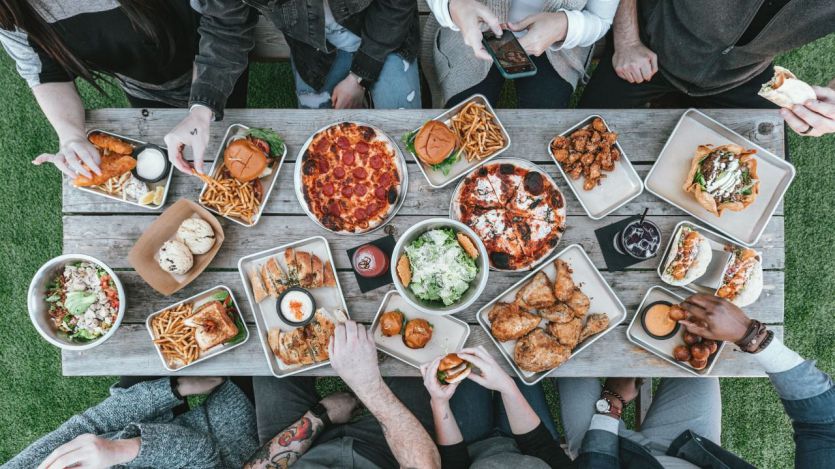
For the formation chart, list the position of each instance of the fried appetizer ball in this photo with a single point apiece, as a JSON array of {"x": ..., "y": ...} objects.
[
  {"x": 681, "y": 353},
  {"x": 391, "y": 323}
]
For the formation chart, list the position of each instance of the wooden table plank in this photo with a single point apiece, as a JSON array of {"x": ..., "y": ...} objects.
[
  {"x": 118, "y": 233},
  {"x": 136, "y": 355},
  {"x": 629, "y": 286}
]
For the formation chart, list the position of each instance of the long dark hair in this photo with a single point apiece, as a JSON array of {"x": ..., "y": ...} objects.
[{"x": 151, "y": 17}]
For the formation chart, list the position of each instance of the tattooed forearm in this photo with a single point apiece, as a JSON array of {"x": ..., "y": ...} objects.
[{"x": 288, "y": 446}]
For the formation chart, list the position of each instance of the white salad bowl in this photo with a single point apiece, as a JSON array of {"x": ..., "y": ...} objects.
[
  {"x": 437, "y": 307},
  {"x": 39, "y": 308}
]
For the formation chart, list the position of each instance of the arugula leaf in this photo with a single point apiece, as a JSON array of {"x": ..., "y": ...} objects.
[
  {"x": 53, "y": 298},
  {"x": 78, "y": 302},
  {"x": 239, "y": 324},
  {"x": 446, "y": 165},
  {"x": 83, "y": 335},
  {"x": 408, "y": 139},
  {"x": 699, "y": 178},
  {"x": 272, "y": 138}
]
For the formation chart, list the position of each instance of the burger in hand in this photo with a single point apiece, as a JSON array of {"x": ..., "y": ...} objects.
[{"x": 453, "y": 369}]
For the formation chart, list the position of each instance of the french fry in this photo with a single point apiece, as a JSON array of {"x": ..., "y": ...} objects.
[{"x": 478, "y": 132}]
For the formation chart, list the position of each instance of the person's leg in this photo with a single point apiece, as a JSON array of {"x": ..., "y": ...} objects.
[
  {"x": 743, "y": 96},
  {"x": 237, "y": 100},
  {"x": 398, "y": 86},
  {"x": 535, "y": 396},
  {"x": 683, "y": 404},
  {"x": 577, "y": 398},
  {"x": 545, "y": 90},
  {"x": 472, "y": 406},
  {"x": 280, "y": 402},
  {"x": 138, "y": 103},
  {"x": 310, "y": 98},
  {"x": 490, "y": 87},
  {"x": 244, "y": 383}
]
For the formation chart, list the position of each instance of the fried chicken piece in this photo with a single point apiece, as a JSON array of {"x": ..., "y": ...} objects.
[
  {"x": 579, "y": 303},
  {"x": 596, "y": 322},
  {"x": 540, "y": 351},
  {"x": 561, "y": 154},
  {"x": 537, "y": 293},
  {"x": 598, "y": 125},
  {"x": 596, "y": 137},
  {"x": 615, "y": 154},
  {"x": 576, "y": 172},
  {"x": 610, "y": 137},
  {"x": 579, "y": 143},
  {"x": 111, "y": 166},
  {"x": 567, "y": 333},
  {"x": 110, "y": 143},
  {"x": 508, "y": 322},
  {"x": 560, "y": 313},
  {"x": 574, "y": 156},
  {"x": 560, "y": 142},
  {"x": 587, "y": 158},
  {"x": 564, "y": 283}
]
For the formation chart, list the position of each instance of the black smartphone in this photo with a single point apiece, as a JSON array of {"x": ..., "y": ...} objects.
[{"x": 508, "y": 54}]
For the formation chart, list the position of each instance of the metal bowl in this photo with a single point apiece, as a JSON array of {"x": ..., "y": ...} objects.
[
  {"x": 436, "y": 307},
  {"x": 39, "y": 309}
]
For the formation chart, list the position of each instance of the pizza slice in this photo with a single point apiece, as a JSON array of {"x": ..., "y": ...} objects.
[
  {"x": 499, "y": 237},
  {"x": 505, "y": 178},
  {"x": 538, "y": 237}
]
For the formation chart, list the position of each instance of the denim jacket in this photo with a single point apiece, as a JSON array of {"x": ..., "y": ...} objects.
[
  {"x": 808, "y": 397},
  {"x": 227, "y": 36}
]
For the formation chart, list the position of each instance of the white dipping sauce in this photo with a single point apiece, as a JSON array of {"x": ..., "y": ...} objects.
[
  {"x": 296, "y": 306},
  {"x": 150, "y": 164}
]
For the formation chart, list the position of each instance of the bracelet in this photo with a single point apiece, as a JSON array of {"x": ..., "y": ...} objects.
[
  {"x": 614, "y": 394},
  {"x": 755, "y": 330},
  {"x": 769, "y": 336}
]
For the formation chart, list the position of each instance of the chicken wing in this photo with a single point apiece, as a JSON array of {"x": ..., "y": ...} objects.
[
  {"x": 111, "y": 166},
  {"x": 508, "y": 322},
  {"x": 560, "y": 313},
  {"x": 567, "y": 333},
  {"x": 596, "y": 322},
  {"x": 540, "y": 351},
  {"x": 564, "y": 284},
  {"x": 537, "y": 293},
  {"x": 110, "y": 143},
  {"x": 578, "y": 302}
]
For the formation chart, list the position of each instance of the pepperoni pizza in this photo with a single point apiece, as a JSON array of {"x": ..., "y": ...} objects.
[
  {"x": 351, "y": 177},
  {"x": 516, "y": 210}
]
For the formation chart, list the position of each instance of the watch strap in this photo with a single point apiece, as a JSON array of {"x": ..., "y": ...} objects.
[
  {"x": 320, "y": 412},
  {"x": 754, "y": 337}
]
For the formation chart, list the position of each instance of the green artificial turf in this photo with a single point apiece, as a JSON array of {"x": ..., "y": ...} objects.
[{"x": 35, "y": 398}]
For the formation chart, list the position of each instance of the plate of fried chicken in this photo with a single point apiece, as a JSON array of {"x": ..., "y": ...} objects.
[{"x": 552, "y": 314}]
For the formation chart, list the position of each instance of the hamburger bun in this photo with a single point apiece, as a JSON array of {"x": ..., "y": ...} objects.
[
  {"x": 434, "y": 142},
  {"x": 417, "y": 333},
  {"x": 245, "y": 160},
  {"x": 453, "y": 369}
]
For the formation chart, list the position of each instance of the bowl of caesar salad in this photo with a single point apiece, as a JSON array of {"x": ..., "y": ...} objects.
[{"x": 440, "y": 266}]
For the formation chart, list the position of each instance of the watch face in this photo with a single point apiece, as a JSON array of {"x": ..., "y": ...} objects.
[{"x": 602, "y": 405}]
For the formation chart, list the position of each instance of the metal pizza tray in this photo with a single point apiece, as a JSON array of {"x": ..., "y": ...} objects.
[
  {"x": 399, "y": 160},
  {"x": 266, "y": 314},
  {"x": 198, "y": 299},
  {"x": 437, "y": 179},
  {"x": 165, "y": 182},
  {"x": 670, "y": 170},
  {"x": 268, "y": 183},
  {"x": 618, "y": 187},
  {"x": 603, "y": 300},
  {"x": 453, "y": 206},
  {"x": 664, "y": 348},
  {"x": 449, "y": 334}
]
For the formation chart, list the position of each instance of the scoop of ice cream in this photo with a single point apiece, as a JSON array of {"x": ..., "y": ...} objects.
[
  {"x": 197, "y": 234},
  {"x": 175, "y": 257}
]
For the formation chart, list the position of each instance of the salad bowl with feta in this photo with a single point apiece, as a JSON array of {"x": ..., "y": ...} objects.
[
  {"x": 76, "y": 302},
  {"x": 440, "y": 266}
]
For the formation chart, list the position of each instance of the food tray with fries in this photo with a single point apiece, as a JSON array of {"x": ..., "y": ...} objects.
[
  {"x": 668, "y": 176},
  {"x": 395, "y": 337},
  {"x": 267, "y": 275},
  {"x": 605, "y": 179},
  {"x": 480, "y": 136},
  {"x": 240, "y": 191},
  {"x": 197, "y": 328},
  {"x": 126, "y": 187},
  {"x": 551, "y": 314}
]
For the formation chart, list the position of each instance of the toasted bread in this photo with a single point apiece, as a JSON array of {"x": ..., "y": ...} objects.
[
  {"x": 292, "y": 265},
  {"x": 318, "y": 333},
  {"x": 404, "y": 270},
  {"x": 212, "y": 324},
  {"x": 318, "y": 275},
  {"x": 259, "y": 290},
  {"x": 276, "y": 275},
  {"x": 290, "y": 347},
  {"x": 467, "y": 244},
  {"x": 305, "y": 263},
  {"x": 329, "y": 277}
]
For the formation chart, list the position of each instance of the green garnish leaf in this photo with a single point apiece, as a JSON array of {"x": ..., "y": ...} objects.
[{"x": 272, "y": 138}]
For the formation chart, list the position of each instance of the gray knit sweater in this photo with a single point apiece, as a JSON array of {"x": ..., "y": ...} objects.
[{"x": 220, "y": 433}]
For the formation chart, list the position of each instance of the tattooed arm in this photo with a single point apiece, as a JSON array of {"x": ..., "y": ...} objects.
[
  {"x": 288, "y": 446},
  {"x": 354, "y": 357}
]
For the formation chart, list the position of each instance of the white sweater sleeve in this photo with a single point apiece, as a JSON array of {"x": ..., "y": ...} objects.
[
  {"x": 440, "y": 8},
  {"x": 585, "y": 26}
]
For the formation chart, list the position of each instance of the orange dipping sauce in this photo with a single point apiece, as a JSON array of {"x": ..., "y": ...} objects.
[{"x": 657, "y": 320}]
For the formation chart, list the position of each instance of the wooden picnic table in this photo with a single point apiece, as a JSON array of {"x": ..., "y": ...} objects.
[{"x": 107, "y": 229}]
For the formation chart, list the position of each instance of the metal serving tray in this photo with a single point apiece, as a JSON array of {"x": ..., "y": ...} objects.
[
  {"x": 266, "y": 314},
  {"x": 455, "y": 215},
  {"x": 437, "y": 179},
  {"x": 449, "y": 334},
  {"x": 668, "y": 174},
  {"x": 664, "y": 348},
  {"x": 618, "y": 187},
  {"x": 268, "y": 183},
  {"x": 400, "y": 161},
  {"x": 166, "y": 182},
  {"x": 603, "y": 299},
  {"x": 198, "y": 300}
]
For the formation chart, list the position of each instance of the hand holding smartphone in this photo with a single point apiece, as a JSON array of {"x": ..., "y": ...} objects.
[{"x": 508, "y": 55}]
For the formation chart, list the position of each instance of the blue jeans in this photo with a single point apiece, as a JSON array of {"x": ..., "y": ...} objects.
[
  {"x": 480, "y": 412},
  {"x": 398, "y": 86}
]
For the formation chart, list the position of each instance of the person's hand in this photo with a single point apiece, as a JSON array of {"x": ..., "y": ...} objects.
[
  {"x": 340, "y": 406},
  {"x": 196, "y": 385},
  {"x": 634, "y": 62},
  {"x": 491, "y": 375},
  {"x": 348, "y": 94},
  {"x": 438, "y": 393},
  {"x": 544, "y": 30},
  {"x": 714, "y": 318},
  {"x": 354, "y": 357},
  {"x": 89, "y": 451},
  {"x": 469, "y": 15},
  {"x": 72, "y": 152},
  {"x": 814, "y": 117},
  {"x": 192, "y": 131}
]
